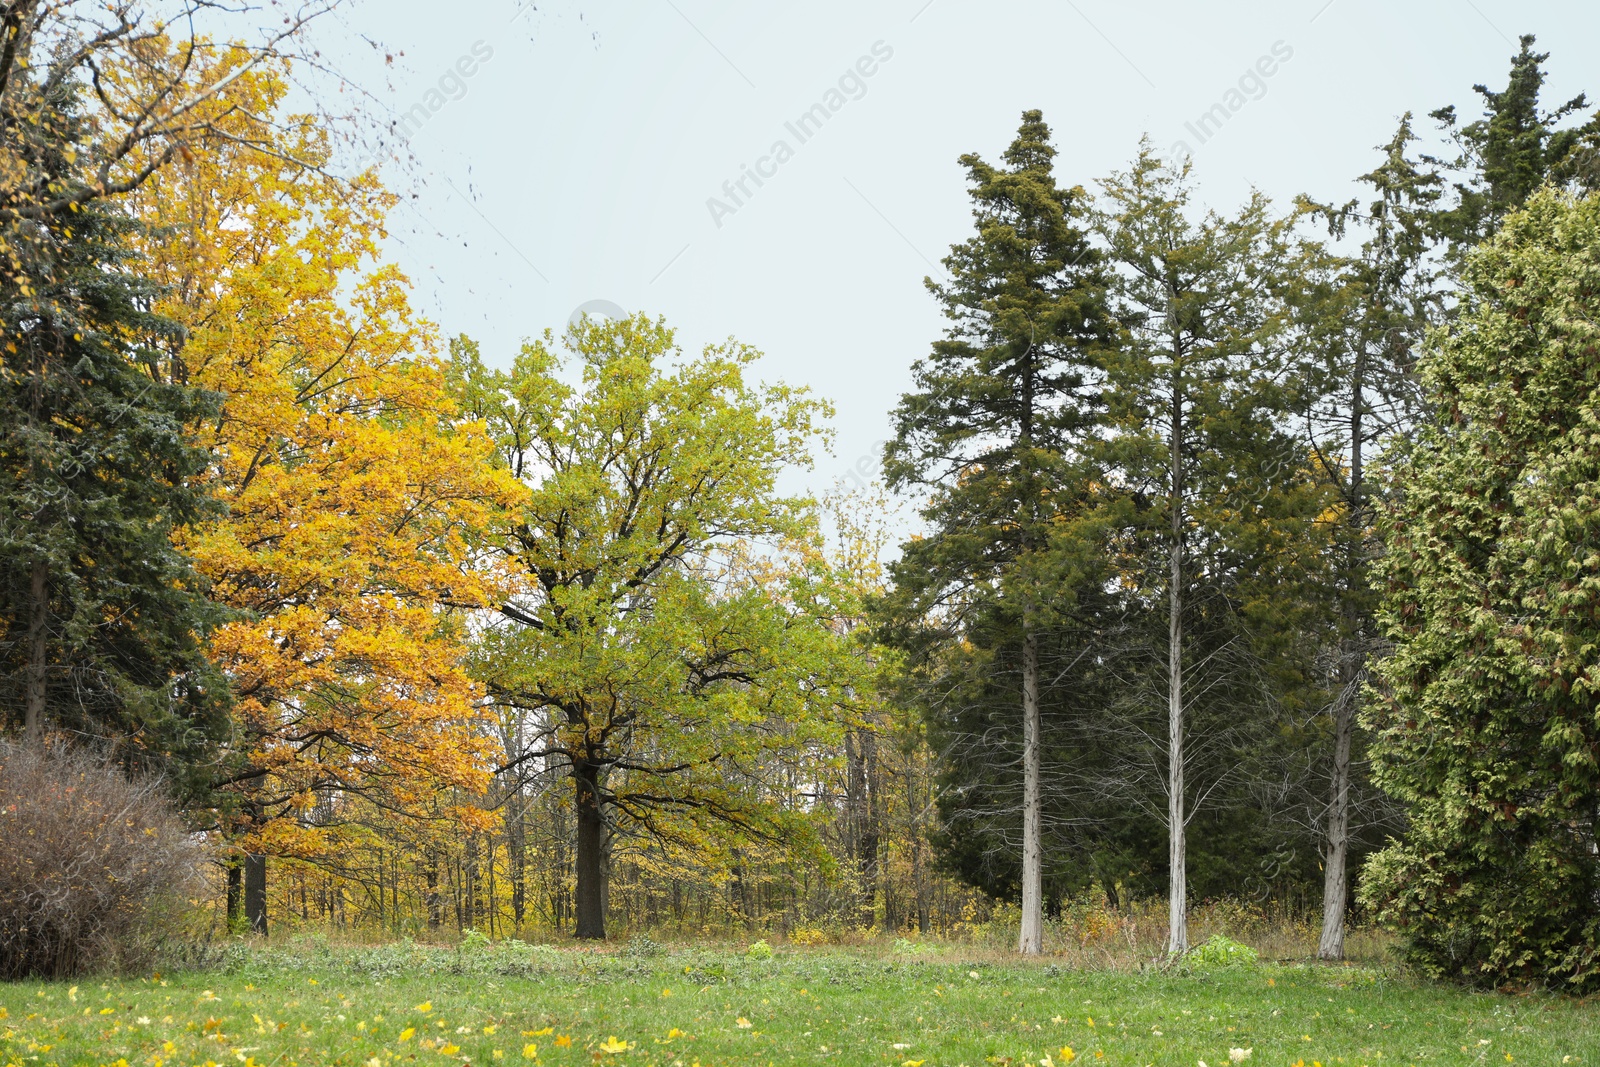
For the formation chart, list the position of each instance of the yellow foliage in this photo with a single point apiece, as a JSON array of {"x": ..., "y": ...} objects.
[{"x": 353, "y": 495}]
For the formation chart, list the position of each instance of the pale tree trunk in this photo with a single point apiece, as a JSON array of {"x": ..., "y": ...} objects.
[
  {"x": 38, "y": 640},
  {"x": 1177, "y": 845},
  {"x": 1336, "y": 853},
  {"x": 1031, "y": 940},
  {"x": 1335, "y": 880}
]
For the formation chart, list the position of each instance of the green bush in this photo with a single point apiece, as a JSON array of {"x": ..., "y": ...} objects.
[
  {"x": 759, "y": 950},
  {"x": 1221, "y": 951}
]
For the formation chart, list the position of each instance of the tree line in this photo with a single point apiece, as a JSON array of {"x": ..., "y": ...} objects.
[{"x": 1254, "y": 549}]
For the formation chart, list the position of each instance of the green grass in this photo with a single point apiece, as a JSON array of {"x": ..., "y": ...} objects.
[{"x": 522, "y": 1004}]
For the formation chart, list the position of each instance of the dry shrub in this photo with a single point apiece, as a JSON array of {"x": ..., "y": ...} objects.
[{"x": 91, "y": 863}]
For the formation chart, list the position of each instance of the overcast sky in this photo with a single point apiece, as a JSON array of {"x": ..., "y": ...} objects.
[{"x": 584, "y": 157}]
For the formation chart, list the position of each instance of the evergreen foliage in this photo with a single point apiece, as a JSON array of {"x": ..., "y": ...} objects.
[
  {"x": 1486, "y": 712},
  {"x": 101, "y": 619}
]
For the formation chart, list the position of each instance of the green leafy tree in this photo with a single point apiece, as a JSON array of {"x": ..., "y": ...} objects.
[
  {"x": 1485, "y": 715},
  {"x": 995, "y": 427},
  {"x": 658, "y": 656},
  {"x": 1220, "y": 527},
  {"x": 101, "y": 619}
]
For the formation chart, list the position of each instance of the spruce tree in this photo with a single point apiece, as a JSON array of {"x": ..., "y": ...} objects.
[
  {"x": 101, "y": 619},
  {"x": 1363, "y": 319},
  {"x": 996, "y": 426}
]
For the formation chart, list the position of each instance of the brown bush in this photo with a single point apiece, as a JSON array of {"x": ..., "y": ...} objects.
[{"x": 89, "y": 862}]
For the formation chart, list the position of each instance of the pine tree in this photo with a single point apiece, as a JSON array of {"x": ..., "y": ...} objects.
[
  {"x": 101, "y": 618},
  {"x": 1485, "y": 716},
  {"x": 996, "y": 426}
]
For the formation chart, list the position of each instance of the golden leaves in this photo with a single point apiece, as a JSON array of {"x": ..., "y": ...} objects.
[{"x": 354, "y": 498}]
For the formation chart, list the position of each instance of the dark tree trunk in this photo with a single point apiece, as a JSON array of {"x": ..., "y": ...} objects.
[
  {"x": 517, "y": 854},
  {"x": 862, "y": 775},
  {"x": 38, "y": 639},
  {"x": 431, "y": 897},
  {"x": 255, "y": 892},
  {"x": 590, "y": 842},
  {"x": 235, "y": 895},
  {"x": 1352, "y": 664},
  {"x": 872, "y": 828}
]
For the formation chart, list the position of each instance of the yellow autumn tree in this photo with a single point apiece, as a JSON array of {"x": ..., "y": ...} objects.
[{"x": 353, "y": 493}]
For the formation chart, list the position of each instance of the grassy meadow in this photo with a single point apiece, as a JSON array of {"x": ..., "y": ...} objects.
[{"x": 910, "y": 1005}]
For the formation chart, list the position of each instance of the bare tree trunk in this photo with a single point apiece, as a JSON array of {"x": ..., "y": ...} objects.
[
  {"x": 517, "y": 854},
  {"x": 590, "y": 848},
  {"x": 1031, "y": 940},
  {"x": 471, "y": 884},
  {"x": 38, "y": 640},
  {"x": 1336, "y": 853},
  {"x": 255, "y": 892},
  {"x": 918, "y": 882},
  {"x": 872, "y": 880},
  {"x": 235, "y": 894},
  {"x": 855, "y": 823},
  {"x": 431, "y": 896},
  {"x": 1177, "y": 844},
  {"x": 1335, "y": 879}
]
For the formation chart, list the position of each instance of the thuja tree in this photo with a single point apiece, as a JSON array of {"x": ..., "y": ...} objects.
[
  {"x": 1486, "y": 713},
  {"x": 656, "y": 665},
  {"x": 994, "y": 428}
]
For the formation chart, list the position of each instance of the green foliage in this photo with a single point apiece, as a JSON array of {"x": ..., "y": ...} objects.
[
  {"x": 1006, "y": 398},
  {"x": 668, "y": 630},
  {"x": 996, "y": 431},
  {"x": 1219, "y": 950},
  {"x": 1486, "y": 713},
  {"x": 759, "y": 950}
]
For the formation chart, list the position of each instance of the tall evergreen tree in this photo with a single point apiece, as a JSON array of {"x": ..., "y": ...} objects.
[
  {"x": 1363, "y": 325},
  {"x": 1371, "y": 333},
  {"x": 1485, "y": 716},
  {"x": 1199, "y": 399},
  {"x": 1511, "y": 150},
  {"x": 996, "y": 425},
  {"x": 100, "y": 618}
]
